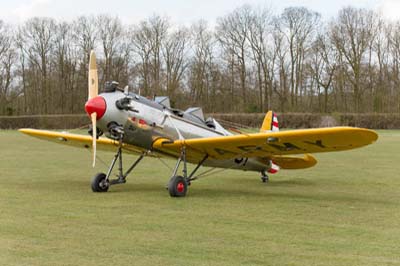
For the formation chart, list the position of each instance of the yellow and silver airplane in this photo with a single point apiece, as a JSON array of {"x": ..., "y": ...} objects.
[{"x": 134, "y": 124}]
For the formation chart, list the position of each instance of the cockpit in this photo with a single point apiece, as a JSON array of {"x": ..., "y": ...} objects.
[{"x": 192, "y": 114}]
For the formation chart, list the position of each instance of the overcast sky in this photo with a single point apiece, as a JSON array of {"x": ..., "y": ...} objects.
[{"x": 179, "y": 11}]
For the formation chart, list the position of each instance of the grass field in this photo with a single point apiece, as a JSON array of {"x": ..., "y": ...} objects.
[{"x": 344, "y": 211}]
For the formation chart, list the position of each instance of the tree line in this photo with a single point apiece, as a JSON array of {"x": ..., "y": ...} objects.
[{"x": 252, "y": 60}]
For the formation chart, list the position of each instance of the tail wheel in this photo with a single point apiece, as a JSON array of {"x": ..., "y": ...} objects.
[
  {"x": 177, "y": 186},
  {"x": 99, "y": 183},
  {"x": 264, "y": 177}
]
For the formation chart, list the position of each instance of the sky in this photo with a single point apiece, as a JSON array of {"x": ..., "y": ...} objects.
[{"x": 179, "y": 11}]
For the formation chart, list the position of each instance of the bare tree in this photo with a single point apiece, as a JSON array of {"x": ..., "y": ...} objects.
[
  {"x": 85, "y": 30},
  {"x": 7, "y": 62},
  {"x": 85, "y": 38},
  {"x": 147, "y": 41},
  {"x": 394, "y": 49},
  {"x": 282, "y": 66},
  {"x": 5, "y": 37},
  {"x": 122, "y": 61},
  {"x": 298, "y": 24},
  {"x": 260, "y": 31},
  {"x": 251, "y": 61},
  {"x": 174, "y": 50},
  {"x": 36, "y": 41},
  {"x": 66, "y": 59},
  {"x": 200, "y": 65},
  {"x": 323, "y": 66},
  {"x": 232, "y": 32},
  {"x": 352, "y": 34},
  {"x": 110, "y": 33}
]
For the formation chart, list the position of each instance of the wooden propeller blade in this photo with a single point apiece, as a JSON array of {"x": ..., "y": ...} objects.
[
  {"x": 93, "y": 80},
  {"x": 93, "y": 116}
]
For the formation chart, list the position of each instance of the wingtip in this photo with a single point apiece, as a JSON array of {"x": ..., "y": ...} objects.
[
  {"x": 25, "y": 130},
  {"x": 310, "y": 159},
  {"x": 368, "y": 136},
  {"x": 371, "y": 135}
]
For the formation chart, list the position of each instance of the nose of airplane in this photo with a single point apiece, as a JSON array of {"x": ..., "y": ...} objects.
[{"x": 96, "y": 105}]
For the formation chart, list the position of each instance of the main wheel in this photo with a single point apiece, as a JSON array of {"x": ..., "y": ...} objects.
[
  {"x": 177, "y": 186},
  {"x": 99, "y": 183}
]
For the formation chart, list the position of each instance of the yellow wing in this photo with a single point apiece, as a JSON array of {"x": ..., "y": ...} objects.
[
  {"x": 80, "y": 141},
  {"x": 271, "y": 144}
]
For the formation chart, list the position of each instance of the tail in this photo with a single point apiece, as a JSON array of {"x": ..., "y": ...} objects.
[{"x": 270, "y": 123}]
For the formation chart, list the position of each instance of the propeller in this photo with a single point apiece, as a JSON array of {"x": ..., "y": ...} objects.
[{"x": 93, "y": 92}]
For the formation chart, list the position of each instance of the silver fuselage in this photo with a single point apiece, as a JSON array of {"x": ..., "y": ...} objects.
[{"x": 152, "y": 120}]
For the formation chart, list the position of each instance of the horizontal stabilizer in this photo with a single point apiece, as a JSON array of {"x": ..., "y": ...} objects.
[{"x": 291, "y": 162}]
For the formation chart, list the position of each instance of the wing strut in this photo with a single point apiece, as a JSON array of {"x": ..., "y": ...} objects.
[
  {"x": 197, "y": 168},
  {"x": 176, "y": 128}
]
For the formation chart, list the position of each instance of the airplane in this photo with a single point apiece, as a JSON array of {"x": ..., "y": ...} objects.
[{"x": 135, "y": 124}]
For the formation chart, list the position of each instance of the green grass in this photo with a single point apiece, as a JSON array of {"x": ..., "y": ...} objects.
[{"x": 344, "y": 211}]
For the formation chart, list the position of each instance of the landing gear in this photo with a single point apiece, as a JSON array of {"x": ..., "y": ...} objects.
[
  {"x": 264, "y": 177},
  {"x": 178, "y": 185},
  {"x": 101, "y": 182}
]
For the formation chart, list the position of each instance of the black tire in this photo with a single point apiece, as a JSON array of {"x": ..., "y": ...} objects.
[
  {"x": 177, "y": 186},
  {"x": 98, "y": 184}
]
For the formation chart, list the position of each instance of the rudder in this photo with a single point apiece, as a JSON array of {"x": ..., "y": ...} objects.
[{"x": 270, "y": 123}]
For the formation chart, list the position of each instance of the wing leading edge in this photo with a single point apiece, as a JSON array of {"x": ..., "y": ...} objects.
[{"x": 80, "y": 141}]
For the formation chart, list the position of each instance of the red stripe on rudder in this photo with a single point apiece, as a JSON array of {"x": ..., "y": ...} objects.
[
  {"x": 272, "y": 171},
  {"x": 274, "y": 168}
]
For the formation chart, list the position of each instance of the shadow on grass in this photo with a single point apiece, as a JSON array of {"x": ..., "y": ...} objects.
[
  {"x": 306, "y": 196},
  {"x": 291, "y": 182},
  {"x": 238, "y": 188},
  {"x": 62, "y": 185},
  {"x": 131, "y": 184}
]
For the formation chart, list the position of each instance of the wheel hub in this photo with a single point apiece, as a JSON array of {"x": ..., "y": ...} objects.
[
  {"x": 180, "y": 187},
  {"x": 103, "y": 184}
]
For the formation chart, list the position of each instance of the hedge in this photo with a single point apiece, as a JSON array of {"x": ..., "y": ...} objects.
[
  {"x": 44, "y": 121},
  {"x": 308, "y": 120},
  {"x": 286, "y": 120}
]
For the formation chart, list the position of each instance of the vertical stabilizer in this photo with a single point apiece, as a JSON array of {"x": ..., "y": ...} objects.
[{"x": 270, "y": 123}]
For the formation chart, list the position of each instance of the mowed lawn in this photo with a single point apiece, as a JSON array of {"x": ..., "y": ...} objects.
[{"x": 344, "y": 211}]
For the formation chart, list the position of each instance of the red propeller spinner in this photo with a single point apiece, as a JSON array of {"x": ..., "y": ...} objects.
[{"x": 96, "y": 105}]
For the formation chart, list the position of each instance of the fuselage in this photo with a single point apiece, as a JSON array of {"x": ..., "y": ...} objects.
[{"x": 146, "y": 121}]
